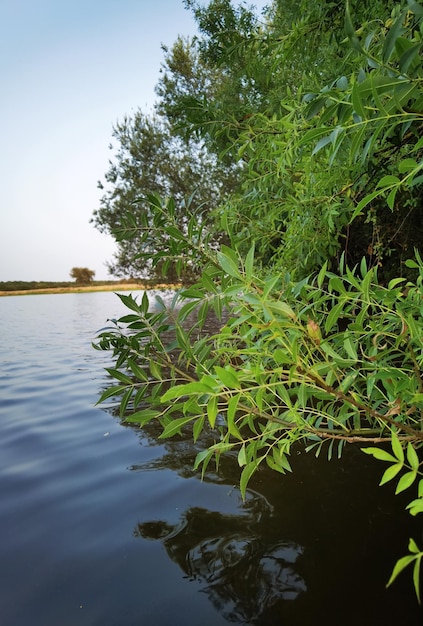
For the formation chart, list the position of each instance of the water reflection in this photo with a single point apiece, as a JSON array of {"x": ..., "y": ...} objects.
[{"x": 240, "y": 569}]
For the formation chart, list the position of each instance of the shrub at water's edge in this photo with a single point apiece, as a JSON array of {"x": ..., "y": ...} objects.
[{"x": 315, "y": 280}]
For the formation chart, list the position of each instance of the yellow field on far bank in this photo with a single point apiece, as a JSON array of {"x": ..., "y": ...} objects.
[{"x": 87, "y": 288}]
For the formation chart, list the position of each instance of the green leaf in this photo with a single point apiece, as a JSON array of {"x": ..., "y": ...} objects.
[
  {"x": 311, "y": 135},
  {"x": 357, "y": 101},
  {"x": 400, "y": 565},
  {"x": 411, "y": 264},
  {"x": 390, "y": 473},
  {"x": 270, "y": 285},
  {"x": 197, "y": 429},
  {"x": 281, "y": 308},
  {"x": 111, "y": 392},
  {"x": 334, "y": 315},
  {"x": 231, "y": 414},
  {"x": 212, "y": 410},
  {"x": 397, "y": 448},
  {"x": 349, "y": 29},
  {"x": 123, "y": 378},
  {"x": 390, "y": 200},
  {"x": 388, "y": 181},
  {"x": 363, "y": 203},
  {"x": 179, "y": 391},
  {"x": 314, "y": 108},
  {"x": 127, "y": 319},
  {"x": 145, "y": 303},
  {"x": 348, "y": 381},
  {"x": 139, "y": 395},
  {"x": 350, "y": 348},
  {"x": 155, "y": 370},
  {"x": 342, "y": 83},
  {"x": 208, "y": 283},
  {"x": 412, "y": 457},
  {"x": 228, "y": 377},
  {"x": 380, "y": 454},
  {"x": 394, "y": 282},
  {"x": 187, "y": 309},
  {"x": 142, "y": 417},
  {"x": 415, "y": 7},
  {"x": 339, "y": 360},
  {"x": 203, "y": 457},
  {"x": 412, "y": 546},
  {"x": 394, "y": 32},
  {"x": 415, "y": 506},
  {"x": 174, "y": 427},
  {"x": 228, "y": 265},
  {"x": 274, "y": 465},
  {"x": 175, "y": 233},
  {"x": 249, "y": 264},
  {"x": 282, "y": 356},
  {"x": 246, "y": 474},
  {"x": 416, "y": 578},
  {"x": 242, "y": 459},
  {"x": 407, "y": 165},
  {"x": 324, "y": 141},
  {"x": 281, "y": 459},
  {"x": 129, "y": 302},
  {"x": 405, "y": 482},
  {"x": 125, "y": 401},
  {"x": 322, "y": 275},
  {"x": 137, "y": 370}
]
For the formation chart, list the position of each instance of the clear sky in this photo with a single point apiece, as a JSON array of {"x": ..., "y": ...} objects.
[{"x": 69, "y": 69}]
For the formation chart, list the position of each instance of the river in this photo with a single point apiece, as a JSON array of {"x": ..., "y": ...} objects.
[{"x": 103, "y": 524}]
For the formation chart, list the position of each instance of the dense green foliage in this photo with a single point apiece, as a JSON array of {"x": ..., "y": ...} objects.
[
  {"x": 150, "y": 158},
  {"x": 319, "y": 281},
  {"x": 298, "y": 206}
]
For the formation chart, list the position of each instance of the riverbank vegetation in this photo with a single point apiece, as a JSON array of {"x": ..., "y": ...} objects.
[
  {"x": 310, "y": 255},
  {"x": 18, "y": 287}
]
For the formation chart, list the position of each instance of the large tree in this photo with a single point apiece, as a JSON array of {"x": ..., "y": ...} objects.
[
  {"x": 150, "y": 158},
  {"x": 82, "y": 275}
]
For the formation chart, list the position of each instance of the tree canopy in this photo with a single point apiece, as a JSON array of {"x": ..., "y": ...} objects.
[
  {"x": 82, "y": 275},
  {"x": 151, "y": 158}
]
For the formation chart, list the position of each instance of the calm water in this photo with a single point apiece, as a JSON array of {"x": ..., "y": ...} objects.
[{"x": 101, "y": 525}]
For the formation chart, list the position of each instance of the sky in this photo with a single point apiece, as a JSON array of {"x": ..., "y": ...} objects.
[{"x": 69, "y": 70}]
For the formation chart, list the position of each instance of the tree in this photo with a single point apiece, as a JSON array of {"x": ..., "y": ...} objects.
[
  {"x": 150, "y": 159},
  {"x": 82, "y": 275},
  {"x": 267, "y": 75}
]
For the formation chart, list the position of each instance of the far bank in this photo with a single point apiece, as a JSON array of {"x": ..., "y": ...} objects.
[{"x": 88, "y": 288}]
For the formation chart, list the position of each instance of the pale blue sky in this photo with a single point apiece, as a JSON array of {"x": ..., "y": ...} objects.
[{"x": 69, "y": 69}]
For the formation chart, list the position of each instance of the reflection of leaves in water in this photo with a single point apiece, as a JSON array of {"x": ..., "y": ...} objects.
[{"x": 241, "y": 570}]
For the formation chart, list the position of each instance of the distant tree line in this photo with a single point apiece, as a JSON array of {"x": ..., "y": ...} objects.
[{"x": 22, "y": 285}]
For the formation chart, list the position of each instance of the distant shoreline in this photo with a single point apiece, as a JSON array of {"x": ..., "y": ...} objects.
[{"x": 87, "y": 289}]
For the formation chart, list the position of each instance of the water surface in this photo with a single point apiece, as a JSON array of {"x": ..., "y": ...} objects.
[{"x": 100, "y": 524}]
